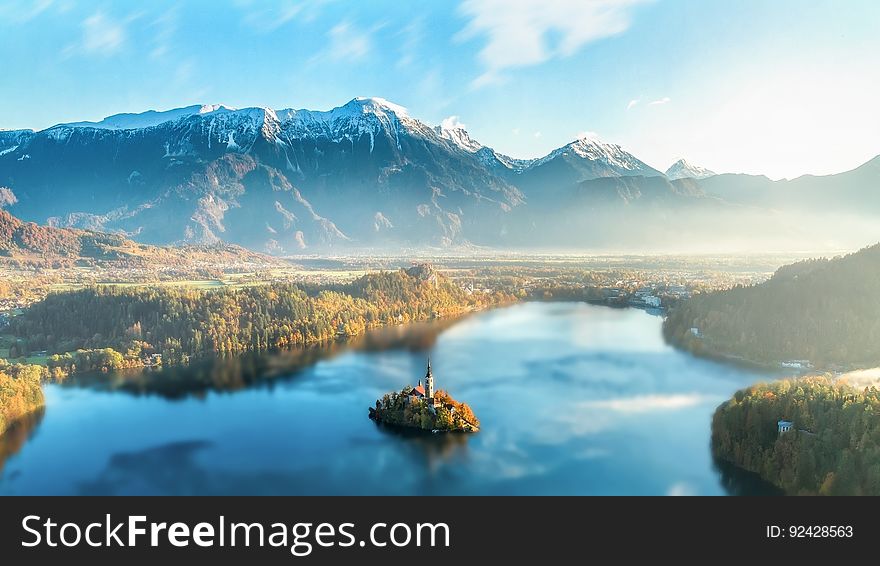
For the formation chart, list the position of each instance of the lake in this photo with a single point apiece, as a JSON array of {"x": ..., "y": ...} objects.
[{"x": 573, "y": 399}]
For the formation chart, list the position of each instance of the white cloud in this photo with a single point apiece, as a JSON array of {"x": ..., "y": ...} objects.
[
  {"x": 101, "y": 35},
  {"x": 347, "y": 43},
  {"x": 659, "y": 101},
  {"x": 646, "y": 403},
  {"x": 521, "y": 33},
  {"x": 515, "y": 131},
  {"x": 632, "y": 103},
  {"x": 588, "y": 135},
  {"x": 537, "y": 135},
  {"x": 451, "y": 123}
]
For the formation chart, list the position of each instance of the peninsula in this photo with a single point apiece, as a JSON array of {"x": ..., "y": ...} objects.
[{"x": 424, "y": 408}]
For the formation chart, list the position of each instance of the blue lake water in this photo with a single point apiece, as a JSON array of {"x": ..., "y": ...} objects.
[{"x": 573, "y": 399}]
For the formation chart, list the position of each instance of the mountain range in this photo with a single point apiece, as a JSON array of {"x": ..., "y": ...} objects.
[{"x": 367, "y": 174}]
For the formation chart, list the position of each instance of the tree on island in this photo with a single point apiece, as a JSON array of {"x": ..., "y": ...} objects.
[{"x": 423, "y": 408}]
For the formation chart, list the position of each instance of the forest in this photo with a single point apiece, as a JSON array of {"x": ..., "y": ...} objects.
[
  {"x": 20, "y": 392},
  {"x": 401, "y": 409},
  {"x": 825, "y": 311},
  {"x": 832, "y": 449},
  {"x": 111, "y": 327}
]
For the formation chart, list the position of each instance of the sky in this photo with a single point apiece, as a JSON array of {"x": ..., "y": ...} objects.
[{"x": 776, "y": 87}]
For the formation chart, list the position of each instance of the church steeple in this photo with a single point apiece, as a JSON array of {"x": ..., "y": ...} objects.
[{"x": 429, "y": 382}]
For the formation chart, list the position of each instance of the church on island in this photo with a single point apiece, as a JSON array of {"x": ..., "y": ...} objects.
[
  {"x": 426, "y": 391},
  {"x": 425, "y": 408}
]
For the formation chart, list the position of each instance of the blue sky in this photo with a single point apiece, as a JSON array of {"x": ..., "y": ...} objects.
[{"x": 780, "y": 87}]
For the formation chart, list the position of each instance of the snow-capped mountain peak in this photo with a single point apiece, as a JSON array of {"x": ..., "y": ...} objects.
[
  {"x": 454, "y": 131},
  {"x": 208, "y": 108},
  {"x": 593, "y": 149},
  {"x": 136, "y": 121},
  {"x": 681, "y": 169},
  {"x": 377, "y": 105},
  {"x": 359, "y": 116}
]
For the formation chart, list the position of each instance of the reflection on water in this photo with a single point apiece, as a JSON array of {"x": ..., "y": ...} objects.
[
  {"x": 573, "y": 399},
  {"x": 12, "y": 440},
  {"x": 234, "y": 373},
  {"x": 432, "y": 450},
  {"x": 737, "y": 481},
  {"x": 174, "y": 469}
]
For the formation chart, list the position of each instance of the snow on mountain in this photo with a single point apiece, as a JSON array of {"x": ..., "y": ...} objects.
[
  {"x": 593, "y": 149},
  {"x": 590, "y": 158},
  {"x": 459, "y": 137},
  {"x": 129, "y": 121},
  {"x": 681, "y": 169},
  {"x": 451, "y": 129},
  {"x": 11, "y": 140},
  {"x": 360, "y": 116}
]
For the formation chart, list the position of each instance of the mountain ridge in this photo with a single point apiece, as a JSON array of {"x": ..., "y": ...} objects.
[
  {"x": 682, "y": 169},
  {"x": 363, "y": 174}
]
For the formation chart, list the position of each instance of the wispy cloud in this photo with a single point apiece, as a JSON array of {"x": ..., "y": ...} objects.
[
  {"x": 587, "y": 135},
  {"x": 659, "y": 101},
  {"x": 165, "y": 26},
  {"x": 632, "y": 103},
  {"x": 521, "y": 33},
  {"x": 410, "y": 38},
  {"x": 267, "y": 16},
  {"x": 23, "y": 11},
  {"x": 102, "y": 35},
  {"x": 537, "y": 135},
  {"x": 346, "y": 42}
]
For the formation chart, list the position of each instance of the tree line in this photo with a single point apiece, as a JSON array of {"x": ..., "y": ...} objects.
[
  {"x": 20, "y": 392},
  {"x": 107, "y": 327},
  {"x": 825, "y": 311},
  {"x": 832, "y": 449}
]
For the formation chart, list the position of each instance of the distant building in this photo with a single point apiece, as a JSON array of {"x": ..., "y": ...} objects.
[
  {"x": 611, "y": 293},
  {"x": 652, "y": 301},
  {"x": 695, "y": 331},
  {"x": 784, "y": 426},
  {"x": 797, "y": 364}
]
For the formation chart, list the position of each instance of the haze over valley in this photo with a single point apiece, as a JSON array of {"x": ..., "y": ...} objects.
[{"x": 369, "y": 176}]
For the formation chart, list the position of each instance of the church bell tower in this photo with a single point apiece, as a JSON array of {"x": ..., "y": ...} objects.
[{"x": 429, "y": 382}]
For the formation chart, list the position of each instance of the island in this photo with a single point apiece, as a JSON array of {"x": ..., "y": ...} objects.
[{"x": 422, "y": 407}]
